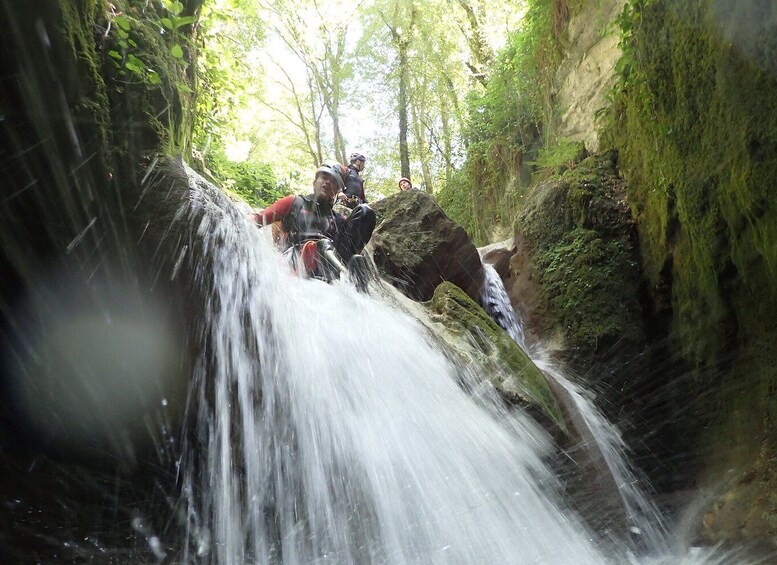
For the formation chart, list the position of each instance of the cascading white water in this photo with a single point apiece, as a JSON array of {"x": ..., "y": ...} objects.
[
  {"x": 642, "y": 516},
  {"x": 496, "y": 302},
  {"x": 332, "y": 431}
]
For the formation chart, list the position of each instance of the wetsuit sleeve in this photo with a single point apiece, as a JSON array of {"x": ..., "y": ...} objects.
[{"x": 274, "y": 212}]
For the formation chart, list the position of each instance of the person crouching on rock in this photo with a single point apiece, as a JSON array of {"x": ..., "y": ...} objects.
[
  {"x": 353, "y": 193},
  {"x": 316, "y": 236}
]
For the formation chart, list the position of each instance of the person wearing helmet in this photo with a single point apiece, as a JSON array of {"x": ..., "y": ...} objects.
[
  {"x": 353, "y": 193},
  {"x": 405, "y": 184},
  {"x": 311, "y": 230}
]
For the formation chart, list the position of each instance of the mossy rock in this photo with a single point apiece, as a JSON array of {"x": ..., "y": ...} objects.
[
  {"x": 581, "y": 242},
  {"x": 517, "y": 375},
  {"x": 695, "y": 123}
]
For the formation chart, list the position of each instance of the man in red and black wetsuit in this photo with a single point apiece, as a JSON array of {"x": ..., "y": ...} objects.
[{"x": 309, "y": 224}]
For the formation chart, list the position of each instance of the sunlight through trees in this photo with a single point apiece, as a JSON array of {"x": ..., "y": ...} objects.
[{"x": 285, "y": 85}]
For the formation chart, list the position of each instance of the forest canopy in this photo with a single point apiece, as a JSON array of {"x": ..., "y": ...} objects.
[{"x": 283, "y": 86}]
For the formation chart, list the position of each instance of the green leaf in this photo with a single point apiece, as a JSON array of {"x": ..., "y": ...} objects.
[
  {"x": 167, "y": 22},
  {"x": 131, "y": 42},
  {"x": 134, "y": 68},
  {"x": 174, "y": 8},
  {"x": 184, "y": 21},
  {"x": 123, "y": 22},
  {"x": 184, "y": 87},
  {"x": 115, "y": 55},
  {"x": 123, "y": 34},
  {"x": 176, "y": 51},
  {"x": 154, "y": 78}
]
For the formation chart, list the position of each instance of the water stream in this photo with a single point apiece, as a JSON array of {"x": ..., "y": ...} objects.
[
  {"x": 338, "y": 433},
  {"x": 641, "y": 515}
]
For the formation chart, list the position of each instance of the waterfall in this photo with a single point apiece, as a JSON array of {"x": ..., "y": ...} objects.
[
  {"x": 330, "y": 430},
  {"x": 605, "y": 444},
  {"x": 497, "y": 304},
  {"x": 642, "y": 516}
]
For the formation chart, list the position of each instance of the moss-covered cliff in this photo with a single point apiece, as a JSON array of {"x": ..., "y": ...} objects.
[
  {"x": 695, "y": 119},
  {"x": 78, "y": 115}
]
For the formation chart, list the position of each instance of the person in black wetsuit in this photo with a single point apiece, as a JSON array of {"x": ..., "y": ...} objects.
[
  {"x": 310, "y": 227},
  {"x": 353, "y": 192}
]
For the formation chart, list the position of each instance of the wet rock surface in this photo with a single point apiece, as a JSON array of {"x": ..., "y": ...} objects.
[{"x": 416, "y": 247}]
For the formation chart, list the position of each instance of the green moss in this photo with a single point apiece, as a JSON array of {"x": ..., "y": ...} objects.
[
  {"x": 135, "y": 75},
  {"x": 78, "y": 28},
  {"x": 463, "y": 316},
  {"x": 580, "y": 276},
  {"x": 700, "y": 161},
  {"x": 580, "y": 238},
  {"x": 695, "y": 121}
]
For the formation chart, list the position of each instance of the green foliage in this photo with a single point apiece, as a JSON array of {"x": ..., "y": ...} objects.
[
  {"x": 149, "y": 47},
  {"x": 559, "y": 157},
  {"x": 506, "y": 121},
  {"x": 230, "y": 85},
  {"x": 253, "y": 182},
  {"x": 455, "y": 198}
]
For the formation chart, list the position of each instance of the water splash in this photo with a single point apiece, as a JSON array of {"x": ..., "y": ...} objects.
[
  {"x": 643, "y": 521},
  {"x": 336, "y": 433}
]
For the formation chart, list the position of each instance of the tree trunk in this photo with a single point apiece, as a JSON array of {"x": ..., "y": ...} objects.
[
  {"x": 316, "y": 121},
  {"x": 420, "y": 142},
  {"x": 404, "y": 155},
  {"x": 481, "y": 52},
  {"x": 447, "y": 145}
]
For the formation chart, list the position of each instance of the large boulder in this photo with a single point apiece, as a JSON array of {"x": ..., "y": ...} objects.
[
  {"x": 576, "y": 251},
  {"x": 574, "y": 277},
  {"x": 416, "y": 246}
]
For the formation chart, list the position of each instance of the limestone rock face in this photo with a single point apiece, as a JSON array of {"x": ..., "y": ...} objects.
[
  {"x": 416, "y": 247},
  {"x": 586, "y": 75}
]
